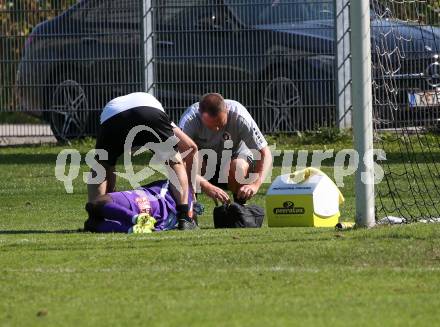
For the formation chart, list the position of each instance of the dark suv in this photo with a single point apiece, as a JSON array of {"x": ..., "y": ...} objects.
[
  {"x": 74, "y": 63},
  {"x": 274, "y": 56}
]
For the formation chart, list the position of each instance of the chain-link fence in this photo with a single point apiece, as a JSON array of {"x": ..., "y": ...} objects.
[
  {"x": 62, "y": 61},
  {"x": 275, "y": 57},
  {"x": 405, "y": 59}
]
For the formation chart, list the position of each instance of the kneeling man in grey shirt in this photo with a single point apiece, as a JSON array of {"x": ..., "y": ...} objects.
[{"x": 234, "y": 153}]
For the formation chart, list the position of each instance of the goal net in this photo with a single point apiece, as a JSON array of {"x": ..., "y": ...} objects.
[{"x": 405, "y": 37}]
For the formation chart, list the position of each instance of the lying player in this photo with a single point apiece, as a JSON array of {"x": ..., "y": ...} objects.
[{"x": 150, "y": 208}]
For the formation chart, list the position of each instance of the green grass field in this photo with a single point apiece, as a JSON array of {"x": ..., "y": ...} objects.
[{"x": 53, "y": 275}]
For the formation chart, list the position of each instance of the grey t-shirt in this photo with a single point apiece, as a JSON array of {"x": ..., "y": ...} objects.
[{"x": 240, "y": 128}]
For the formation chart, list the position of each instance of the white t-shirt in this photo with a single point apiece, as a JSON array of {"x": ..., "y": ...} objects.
[
  {"x": 129, "y": 101},
  {"x": 240, "y": 128}
]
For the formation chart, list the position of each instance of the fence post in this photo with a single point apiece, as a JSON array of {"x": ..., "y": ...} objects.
[
  {"x": 362, "y": 110},
  {"x": 343, "y": 63},
  {"x": 147, "y": 42}
]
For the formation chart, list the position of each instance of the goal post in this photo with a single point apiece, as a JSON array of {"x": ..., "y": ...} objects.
[
  {"x": 147, "y": 45},
  {"x": 362, "y": 111}
]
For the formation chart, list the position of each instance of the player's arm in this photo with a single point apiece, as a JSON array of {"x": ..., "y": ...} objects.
[
  {"x": 261, "y": 170},
  {"x": 189, "y": 128},
  {"x": 189, "y": 151},
  {"x": 254, "y": 139},
  {"x": 106, "y": 186},
  {"x": 180, "y": 191},
  {"x": 214, "y": 192}
]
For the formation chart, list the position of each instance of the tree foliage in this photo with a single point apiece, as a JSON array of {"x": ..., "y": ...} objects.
[
  {"x": 17, "y": 19},
  {"x": 422, "y": 11}
]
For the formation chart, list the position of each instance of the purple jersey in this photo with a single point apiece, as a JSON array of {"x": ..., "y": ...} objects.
[{"x": 154, "y": 199}]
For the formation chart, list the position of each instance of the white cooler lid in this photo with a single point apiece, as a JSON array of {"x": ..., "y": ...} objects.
[
  {"x": 326, "y": 198},
  {"x": 284, "y": 184}
]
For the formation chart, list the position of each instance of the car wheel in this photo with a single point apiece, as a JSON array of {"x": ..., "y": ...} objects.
[
  {"x": 282, "y": 101},
  {"x": 68, "y": 111}
]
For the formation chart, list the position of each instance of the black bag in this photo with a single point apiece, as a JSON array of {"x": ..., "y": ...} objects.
[{"x": 236, "y": 215}]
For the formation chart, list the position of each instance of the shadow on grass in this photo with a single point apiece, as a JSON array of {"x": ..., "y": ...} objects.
[
  {"x": 50, "y": 158},
  {"x": 25, "y": 231},
  {"x": 26, "y": 159}
]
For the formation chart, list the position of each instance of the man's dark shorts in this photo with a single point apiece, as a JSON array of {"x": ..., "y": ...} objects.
[
  {"x": 224, "y": 185},
  {"x": 113, "y": 132}
]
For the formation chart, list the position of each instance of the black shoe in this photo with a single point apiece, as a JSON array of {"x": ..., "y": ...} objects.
[
  {"x": 90, "y": 225},
  {"x": 187, "y": 224}
]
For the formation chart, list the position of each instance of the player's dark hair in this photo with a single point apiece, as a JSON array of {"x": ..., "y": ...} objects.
[{"x": 212, "y": 104}]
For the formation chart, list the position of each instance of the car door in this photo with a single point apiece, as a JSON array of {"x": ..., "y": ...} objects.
[
  {"x": 197, "y": 51},
  {"x": 175, "y": 48},
  {"x": 112, "y": 40},
  {"x": 223, "y": 52}
]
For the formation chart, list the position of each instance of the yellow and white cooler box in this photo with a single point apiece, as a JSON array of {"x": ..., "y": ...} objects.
[{"x": 306, "y": 198}]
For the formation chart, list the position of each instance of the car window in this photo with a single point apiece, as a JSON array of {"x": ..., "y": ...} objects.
[
  {"x": 178, "y": 14},
  {"x": 255, "y": 12},
  {"x": 214, "y": 18},
  {"x": 114, "y": 12},
  {"x": 166, "y": 11}
]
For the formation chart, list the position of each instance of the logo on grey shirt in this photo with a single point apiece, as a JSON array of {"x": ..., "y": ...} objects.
[{"x": 226, "y": 136}]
